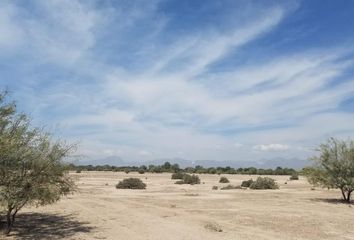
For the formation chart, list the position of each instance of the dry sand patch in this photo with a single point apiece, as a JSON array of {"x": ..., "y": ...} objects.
[{"x": 168, "y": 211}]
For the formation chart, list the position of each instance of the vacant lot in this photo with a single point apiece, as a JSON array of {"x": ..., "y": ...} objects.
[{"x": 168, "y": 211}]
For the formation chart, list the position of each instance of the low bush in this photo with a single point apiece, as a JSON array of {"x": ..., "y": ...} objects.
[
  {"x": 126, "y": 171},
  {"x": 131, "y": 183},
  {"x": 78, "y": 171},
  {"x": 177, "y": 175},
  {"x": 294, "y": 176},
  {"x": 213, "y": 227},
  {"x": 141, "y": 171},
  {"x": 224, "y": 180},
  {"x": 264, "y": 183},
  {"x": 215, "y": 188},
  {"x": 229, "y": 187},
  {"x": 247, "y": 183},
  {"x": 189, "y": 179}
]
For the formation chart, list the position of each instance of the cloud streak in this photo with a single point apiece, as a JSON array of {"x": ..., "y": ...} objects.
[{"x": 124, "y": 80}]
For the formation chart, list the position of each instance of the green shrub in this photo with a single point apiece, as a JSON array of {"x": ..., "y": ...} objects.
[
  {"x": 189, "y": 179},
  {"x": 131, "y": 183},
  {"x": 141, "y": 171},
  {"x": 294, "y": 176},
  {"x": 229, "y": 187},
  {"x": 264, "y": 183},
  {"x": 177, "y": 175},
  {"x": 247, "y": 183},
  {"x": 224, "y": 180},
  {"x": 215, "y": 188}
]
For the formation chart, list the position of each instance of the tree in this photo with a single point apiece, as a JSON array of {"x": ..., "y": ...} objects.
[
  {"x": 32, "y": 171},
  {"x": 334, "y": 168}
]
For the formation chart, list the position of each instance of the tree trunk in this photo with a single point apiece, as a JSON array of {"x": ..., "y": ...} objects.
[
  {"x": 9, "y": 222},
  {"x": 348, "y": 196},
  {"x": 343, "y": 194}
]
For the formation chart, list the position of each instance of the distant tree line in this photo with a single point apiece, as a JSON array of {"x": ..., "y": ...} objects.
[{"x": 174, "y": 168}]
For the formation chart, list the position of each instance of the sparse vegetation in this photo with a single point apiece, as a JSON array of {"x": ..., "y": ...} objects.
[
  {"x": 264, "y": 183},
  {"x": 131, "y": 183},
  {"x": 247, "y": 183},
  {"x": 178, "y": 175},
  {"x": 334, "y": 168},
  {"x": 215, "y": 188},
  {"x": 229, "y": 187},
  {"x": 213, "y": 227},
  {"x": 174, "y": 168},
  {"x": 224, "y": 180},
  {"x": 294, "y": 176},
  {"x": 189, "y": 179},
  {"x": 141, "y": 171}
]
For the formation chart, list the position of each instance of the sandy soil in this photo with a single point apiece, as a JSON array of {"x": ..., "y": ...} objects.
[{"x": 166, "y": 211}]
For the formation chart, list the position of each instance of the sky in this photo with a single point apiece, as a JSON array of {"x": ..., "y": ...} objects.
[{"x": 199, "y": 80}]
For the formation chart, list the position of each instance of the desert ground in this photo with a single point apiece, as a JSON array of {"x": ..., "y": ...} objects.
[{"x": 166, "y": 211}]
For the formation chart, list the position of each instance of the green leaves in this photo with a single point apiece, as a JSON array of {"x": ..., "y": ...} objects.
[
  {"x": 334, "y": 167},
  {"x": 32, "y": 171}
]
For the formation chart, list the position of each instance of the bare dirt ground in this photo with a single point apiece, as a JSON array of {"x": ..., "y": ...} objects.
[{"x": 166, "y": 211}]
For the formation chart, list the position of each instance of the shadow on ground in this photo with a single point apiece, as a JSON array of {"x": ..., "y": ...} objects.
[
  {"x": 333, "y": 201},
  {"x": 40, "y": 226}
]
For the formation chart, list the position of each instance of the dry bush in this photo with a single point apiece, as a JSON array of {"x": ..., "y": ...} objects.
[
  {"x": 189, "y": 179},
  {"x": 131, "y": 183},
  {"x": 224, "y": 180},
  {"x": 177, "y": 175},
  {"x": 264, "y": 183},
  {"x": 247, "y": 183},
  {"x": 229, "y": 187}
]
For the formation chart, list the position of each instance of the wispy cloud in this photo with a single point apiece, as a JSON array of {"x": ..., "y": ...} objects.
[
  {"x": 271, "y": 147},
  {"x": 126, "y": 79}
]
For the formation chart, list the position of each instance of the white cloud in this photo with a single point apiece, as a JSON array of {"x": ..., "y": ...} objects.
[
  {"x": 271, "y": 147},
  {"x": 238, "y": 145},
  {"x": 174, "y": 104}
]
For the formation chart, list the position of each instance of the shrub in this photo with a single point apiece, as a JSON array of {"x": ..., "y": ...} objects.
[
  {"x": 189, "y": 179},
  {"x": 215, "y": 188},
  {"x": 78, "y": 171},
  {"x": 141, "y": 171},
  {"x": 334, "y": 168},
  {"x": 247, "y": 183},
  {"x": 264, "y": 183},
  {"x": 294, "y": 176},
  {"x": 224, "y": 180},
  {"x": 213, "y": 227},
  {"x": 229, "y": 187},
  {"x": 126, "y": 171},
  {"x": 131, "y": 183},
  {"x": 177, "y": 175}
]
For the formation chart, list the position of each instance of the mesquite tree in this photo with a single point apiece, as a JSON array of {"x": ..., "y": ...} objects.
[
  {"x": 334, "y": 168},
  {"x": 32, "y": 171}
]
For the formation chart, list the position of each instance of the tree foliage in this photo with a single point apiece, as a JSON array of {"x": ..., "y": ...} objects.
[
  {"x": 31, "y": 164},
  {"x": 334, "y": 168}
]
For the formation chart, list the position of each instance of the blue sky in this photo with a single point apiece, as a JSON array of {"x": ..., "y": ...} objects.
[{"x": 199, "y": 80}]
